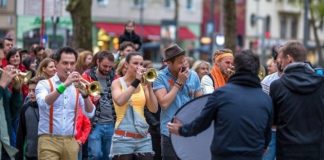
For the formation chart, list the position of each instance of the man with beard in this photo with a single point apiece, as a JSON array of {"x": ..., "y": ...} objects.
[
  {"x": 221, "y": 71},
  {"x": 99, "y": 140}
]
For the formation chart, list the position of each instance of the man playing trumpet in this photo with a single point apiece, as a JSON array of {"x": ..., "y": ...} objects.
[
  {"x": 221, "y": 71},
  {"x": 99, "y": 140},
  {"x": 58, "y": 100}
]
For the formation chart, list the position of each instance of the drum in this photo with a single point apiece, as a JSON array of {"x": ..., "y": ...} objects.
[{"x": 195, "y": 147}]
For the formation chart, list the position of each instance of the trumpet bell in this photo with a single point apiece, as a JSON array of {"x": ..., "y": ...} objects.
[
  {"x": 150, "y": 75},
  {"x": 25, "y": 76},
  {"x": 94, "y": 88}
]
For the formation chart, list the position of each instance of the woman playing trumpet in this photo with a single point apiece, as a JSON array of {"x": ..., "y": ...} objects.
[{"x": 131, "y": 138}]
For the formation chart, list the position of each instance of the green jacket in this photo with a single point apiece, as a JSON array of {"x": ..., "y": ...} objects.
[{"x": 10, "y": 104}]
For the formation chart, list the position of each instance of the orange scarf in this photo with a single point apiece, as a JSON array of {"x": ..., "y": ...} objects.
[{"x": 216, "y": 74}]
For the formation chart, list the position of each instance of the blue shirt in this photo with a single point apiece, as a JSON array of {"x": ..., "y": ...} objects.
[
  {"x": 64, "y": 108},
  {"x": 166, "y": 80}
]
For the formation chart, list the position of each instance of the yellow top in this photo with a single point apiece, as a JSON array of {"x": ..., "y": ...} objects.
[{"x": 138, "y": 102}]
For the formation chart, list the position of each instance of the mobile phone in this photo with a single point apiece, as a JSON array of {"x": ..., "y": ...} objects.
[{"x": 183, "y": 69}]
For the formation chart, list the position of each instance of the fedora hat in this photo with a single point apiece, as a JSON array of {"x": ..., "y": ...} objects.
[{"x": 172, "y": 52}]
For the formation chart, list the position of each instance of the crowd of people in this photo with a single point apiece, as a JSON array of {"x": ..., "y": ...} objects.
[{"x": 79, "y": 105}]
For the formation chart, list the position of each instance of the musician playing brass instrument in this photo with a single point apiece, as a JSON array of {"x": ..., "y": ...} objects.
[
  {"x": 99, "y": 139},
  {"x": 131, "y": 139},
  {"x": 58, "y": 102},
  {"x": 8, "y": 112},
  {"x": 220, "y": 72}
]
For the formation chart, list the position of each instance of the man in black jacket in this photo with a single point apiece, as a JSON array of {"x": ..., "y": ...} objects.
[
  {"x": 241, "y": 112},
  {"x": 298, "y": 98}
]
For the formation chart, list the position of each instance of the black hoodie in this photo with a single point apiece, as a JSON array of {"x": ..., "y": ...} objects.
[{"x": 298, "y": 98}]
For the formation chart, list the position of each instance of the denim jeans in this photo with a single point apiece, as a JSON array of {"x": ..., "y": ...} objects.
[
  {"x": 270, "y": 154},
  {"x": 99, "y": 141}
]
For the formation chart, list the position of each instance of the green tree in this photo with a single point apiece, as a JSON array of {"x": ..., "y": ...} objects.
[
  {"x": 316, "y": 12},
  {"x": 80, "y": 11},
  {"x": 229, "y": 8}
]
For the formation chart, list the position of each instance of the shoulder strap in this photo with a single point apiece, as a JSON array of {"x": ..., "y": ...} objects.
[
  {"x": 123, "y": 83},
  {"x": 51, "y": 109},
  {"x": 211, "y": 77}
]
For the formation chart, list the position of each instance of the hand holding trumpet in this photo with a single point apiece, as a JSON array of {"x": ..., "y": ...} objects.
[
  {"x": 86, "y": 88},
  {"x": 71, "y": 78},
  {"x": 7, "y": 74}
]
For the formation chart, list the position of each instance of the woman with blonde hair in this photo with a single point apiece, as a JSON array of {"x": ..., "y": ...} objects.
[
  {"x": 46, "y": 68},
  {"x": 201, "y": 68},
  {"x": 121, "y": 69},
  {"x": 84, "y": 61}
]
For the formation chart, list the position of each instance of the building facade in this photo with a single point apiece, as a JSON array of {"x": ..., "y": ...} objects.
[
  {"x": 275, "y": 22},
  {"x": 110, "y": 17},
  {"x": 8, "y": 18}
]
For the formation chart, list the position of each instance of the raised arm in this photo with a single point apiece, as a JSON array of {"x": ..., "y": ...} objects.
[{"x": 151, "y": 101}]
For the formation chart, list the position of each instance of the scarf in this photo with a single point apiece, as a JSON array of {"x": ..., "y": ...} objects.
[{"x": 217, "y": 76}]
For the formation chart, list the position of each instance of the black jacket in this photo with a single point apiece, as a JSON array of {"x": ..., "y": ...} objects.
[
  {"x": 132, "y": 37},
  {"x": 27, "y": 134},
  {"x": 298, "y": 99},
  {"x": 242, "y": 115}
]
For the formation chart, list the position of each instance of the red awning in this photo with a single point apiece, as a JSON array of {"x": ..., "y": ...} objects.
[{"x": 148, "y": 30}]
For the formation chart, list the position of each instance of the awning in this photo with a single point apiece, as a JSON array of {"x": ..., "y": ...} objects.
[{"x": 148, "y": 30}]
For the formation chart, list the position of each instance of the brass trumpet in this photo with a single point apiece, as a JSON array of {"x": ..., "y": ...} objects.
[
  {"x": 22, "y": 77},
  {"x": 150, "y": 75},
  {"x": 92, "y": 88},
  {"x": 86, "y": 87}
]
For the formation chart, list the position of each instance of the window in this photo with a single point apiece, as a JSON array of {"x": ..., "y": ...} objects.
[
  {"x": 3, "y": 32},
  {"x": 3, "y": 3},
  {"x": 268, "y": 23},
  {"x": 169, "y": 3},
  {"x": 294, "y": 27},
  {"x": 189, "y": 5},
  {"x": 102, "y": 2},
  {"x": 283, "y": 27}
]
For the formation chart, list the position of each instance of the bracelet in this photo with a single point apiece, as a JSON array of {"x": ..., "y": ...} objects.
[
  {"x": 135, "y": 83},
  {"x": 60, "y": 88},
  {"x": 178, "y": 83}
]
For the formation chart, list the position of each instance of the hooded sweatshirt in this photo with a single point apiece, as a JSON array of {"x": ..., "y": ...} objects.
[{"x": 298, "y": 98}]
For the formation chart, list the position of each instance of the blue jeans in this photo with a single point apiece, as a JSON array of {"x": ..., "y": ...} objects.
[
  {"x": 270, "y": 154},
  {"x": 99, "y": 141}
]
